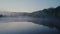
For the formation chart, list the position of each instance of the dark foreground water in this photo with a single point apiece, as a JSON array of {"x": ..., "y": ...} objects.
[{"x": 27, "y": 25}]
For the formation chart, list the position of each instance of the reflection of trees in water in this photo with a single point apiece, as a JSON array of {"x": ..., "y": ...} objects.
[
  {"x": 48, "y": 13},
  {"x": 48, "y": 23}
]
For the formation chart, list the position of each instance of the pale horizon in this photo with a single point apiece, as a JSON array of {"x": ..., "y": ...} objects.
[{"x": 27, "y": 5}]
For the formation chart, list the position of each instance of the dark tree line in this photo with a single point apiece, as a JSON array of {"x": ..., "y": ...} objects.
[
  {"x": 46, "y": 13},
  {"x": 1, "y": 15}
]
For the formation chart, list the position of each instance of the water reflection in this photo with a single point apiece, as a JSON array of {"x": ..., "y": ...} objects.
[
  {"x": 26, "y": 26},
  {"x": 48, "y": 22}
]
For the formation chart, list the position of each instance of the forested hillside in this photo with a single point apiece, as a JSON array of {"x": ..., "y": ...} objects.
[{"x": 47, "y": 13}]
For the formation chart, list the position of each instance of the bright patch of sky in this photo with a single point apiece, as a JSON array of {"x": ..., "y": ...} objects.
[{"x": 27, "y": 5}]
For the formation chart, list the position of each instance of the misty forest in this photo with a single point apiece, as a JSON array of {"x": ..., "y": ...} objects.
[
  {"x": 50, "y": 14},
  {"x": 49, "y": 17},
  {"x": 29, "y": 16}
]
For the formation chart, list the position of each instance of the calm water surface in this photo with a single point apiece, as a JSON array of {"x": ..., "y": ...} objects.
[{"x": 23, "y": 26}]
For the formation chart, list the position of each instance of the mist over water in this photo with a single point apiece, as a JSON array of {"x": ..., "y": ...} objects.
[
  {"x": 29, "y": 17},
  {"x": 24, "y": 25}
]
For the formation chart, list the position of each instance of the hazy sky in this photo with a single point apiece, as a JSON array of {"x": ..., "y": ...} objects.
[{"x": 27, "y": 5}]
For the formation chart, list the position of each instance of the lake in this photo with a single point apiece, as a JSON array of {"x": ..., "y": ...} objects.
[{"x": 26, "y": 25}]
